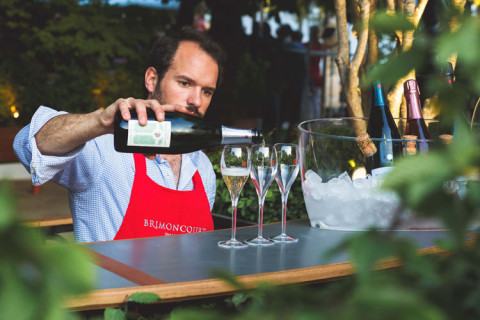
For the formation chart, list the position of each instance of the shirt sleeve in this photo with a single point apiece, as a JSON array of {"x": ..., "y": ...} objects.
[{"x": 69, "y": 170}]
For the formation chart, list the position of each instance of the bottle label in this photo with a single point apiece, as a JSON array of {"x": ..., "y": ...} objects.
[{"x": 153, "y": 134}]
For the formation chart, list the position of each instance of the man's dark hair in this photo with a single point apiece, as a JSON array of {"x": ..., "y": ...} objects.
[{"x": 164, "y": 49}]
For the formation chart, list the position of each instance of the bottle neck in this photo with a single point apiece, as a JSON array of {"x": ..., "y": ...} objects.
[
  {"x": 414, "y": 110},
  {"x": 239, "y": 136},
  {"x": 378, "y": 94}
]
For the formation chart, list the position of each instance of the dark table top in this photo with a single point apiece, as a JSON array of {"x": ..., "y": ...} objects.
[{"x": 180, "y": 267}]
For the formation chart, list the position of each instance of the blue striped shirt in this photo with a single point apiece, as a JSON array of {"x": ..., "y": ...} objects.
[{"x": 99, "y": 179}]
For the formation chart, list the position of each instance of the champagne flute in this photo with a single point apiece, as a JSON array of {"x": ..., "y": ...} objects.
[
  {"x": 235, "y": 167},
  {"x": 287, "y": 171},
  {"x": 263, "y": 169}
]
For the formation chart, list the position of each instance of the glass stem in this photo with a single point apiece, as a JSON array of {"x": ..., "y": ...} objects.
[
  {"x": 234, "y": 217},
  {"x": 284, "y": 213},
  {"x": 261, "y": 201}
]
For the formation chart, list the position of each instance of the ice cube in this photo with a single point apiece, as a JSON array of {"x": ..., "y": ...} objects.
[
  {"x": 345, "y": 205},
  {"x": 310, "y": 174},
  {"x": 345, "y": 177},
  {"x": 336, "y": 188},
  {"x": 361, "y": 183},
  {"x": 313, "y": 185}
]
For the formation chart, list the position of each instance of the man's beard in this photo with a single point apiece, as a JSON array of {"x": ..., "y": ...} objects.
[{"x": 157, "y": 95}]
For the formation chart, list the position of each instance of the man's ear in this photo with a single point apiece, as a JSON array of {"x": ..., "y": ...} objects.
[{"x": 151, "y": 79}]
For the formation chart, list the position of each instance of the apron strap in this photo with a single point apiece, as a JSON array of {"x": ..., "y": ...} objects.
[{"x": 140, "y": 163}]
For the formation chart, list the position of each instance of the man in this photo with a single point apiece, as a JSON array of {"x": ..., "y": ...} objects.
[{"x": 118, "y": 195}]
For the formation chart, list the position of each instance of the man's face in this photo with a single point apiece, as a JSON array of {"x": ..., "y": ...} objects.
[{"x": 190, "y": 80}]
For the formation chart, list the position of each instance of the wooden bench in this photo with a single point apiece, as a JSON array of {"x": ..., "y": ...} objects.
[{"x": 52, "y": 225}]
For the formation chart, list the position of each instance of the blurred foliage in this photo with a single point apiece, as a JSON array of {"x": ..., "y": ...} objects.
[
  {"x": 35, "y": 279},
  {"x": 72, "y": 57},
  {"x": 128, "y": 313},
  {"x": 384, "y": 22},
  {"x": 7, "y": 101}
]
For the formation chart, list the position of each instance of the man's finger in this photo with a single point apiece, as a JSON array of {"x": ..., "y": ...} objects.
[
  {"x": 124, "y": 107},
  {"x": 157, "y": 108},
  {"x": 172, "y": 107},
  {"x": 141, "y": 108}
]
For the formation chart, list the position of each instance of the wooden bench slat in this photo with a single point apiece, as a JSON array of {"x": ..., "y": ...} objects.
[{"x": 50, "y": 222}]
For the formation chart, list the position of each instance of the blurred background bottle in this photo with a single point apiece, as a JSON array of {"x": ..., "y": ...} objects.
[
  {"x": 448, "y": 125},
  {"x": 415, "y": 123},
  {"x": 382, "y": 126}
]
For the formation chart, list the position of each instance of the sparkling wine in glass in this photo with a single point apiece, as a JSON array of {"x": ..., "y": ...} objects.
[
  {"x": 262, "y": 172},
  {"x": 287, "y": 171},
  {"x": 235, "y": 167}
]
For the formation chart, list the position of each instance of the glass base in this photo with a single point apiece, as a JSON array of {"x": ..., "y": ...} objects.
[
  {"x": 284, "y": 238},
  {"x": 260, "y": 241},
  {"x": 232, "y": 243}
]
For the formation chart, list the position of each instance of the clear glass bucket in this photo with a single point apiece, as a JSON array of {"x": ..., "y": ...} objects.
[{"x": 337, "y": 192}]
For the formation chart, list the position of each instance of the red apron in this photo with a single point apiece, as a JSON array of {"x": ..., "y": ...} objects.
[{"x": 157, "y": 211}]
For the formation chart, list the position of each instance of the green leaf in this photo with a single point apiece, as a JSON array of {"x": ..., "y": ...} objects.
[
  {"x": 194, "y": 314},
  {"x": 463, "y": 41},
  {"x": 445, "y": 244},
  {"x": 465, "y": 37},
  {"x": 389, "y": 23},
  {"x": 385, "y": 300},
  {"x": 144, "y": 297},
  {"x": 364, "y": 258},
  {"x": 113, "y": 314},
  {"x": 239, "y": 298},
  {"x": 399, "y": 66},
  {"x": 7, "y": 207},
  {"x": 64, "y": 259},
  {"x": 228, "y": 277},
  {"x": 416, "y": 178}
]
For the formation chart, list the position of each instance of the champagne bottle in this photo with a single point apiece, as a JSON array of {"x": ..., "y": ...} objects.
[
  {"x": 447, "y": 126},
  {"x": 382, "y": 126},
  {"x": 448, "y": 74},
  {"x": 179, "y": 133},
  {"x": 415, "y": 123}
]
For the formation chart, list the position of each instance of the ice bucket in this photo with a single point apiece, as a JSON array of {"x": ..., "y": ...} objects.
[{"x": 337, "y": 192}]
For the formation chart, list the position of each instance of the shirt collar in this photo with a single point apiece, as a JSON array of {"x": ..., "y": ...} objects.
[{"x": 188, "y": 169}]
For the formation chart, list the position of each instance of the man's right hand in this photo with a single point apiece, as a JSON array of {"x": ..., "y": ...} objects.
[
  {"x": 64, "y": 133},
  {"x": 107, "y": 116}
]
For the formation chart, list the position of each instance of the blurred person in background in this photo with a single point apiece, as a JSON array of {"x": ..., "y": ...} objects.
[
  {"x": 274, "y": 76},
  {"x": 294, "y": 76},
  {"x": 315, "y": 80}
]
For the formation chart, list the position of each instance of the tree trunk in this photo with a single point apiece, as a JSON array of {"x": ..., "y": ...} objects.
[
  {"x": 349, "y": 70},
  {"x": 372, "y": 58}
]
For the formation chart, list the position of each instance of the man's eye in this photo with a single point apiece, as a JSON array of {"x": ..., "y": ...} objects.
[
  {"x": 208, "y": 93},
  {"x": 183, "y": 83}
]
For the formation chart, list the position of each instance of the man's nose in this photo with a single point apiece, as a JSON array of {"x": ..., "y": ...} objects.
[{"x": 195, "y": 97}]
